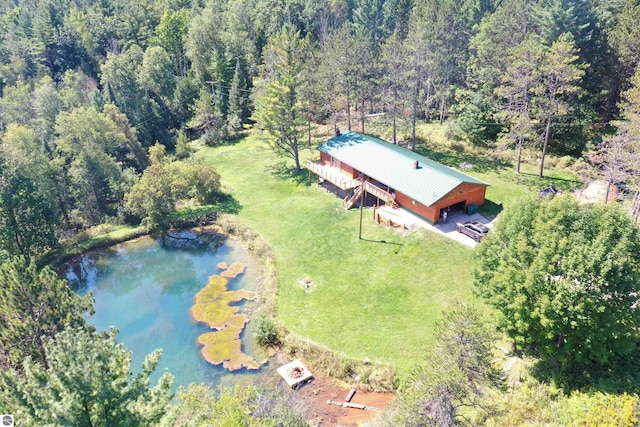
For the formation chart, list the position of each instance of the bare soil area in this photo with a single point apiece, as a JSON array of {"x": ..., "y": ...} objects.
[{"x": 321, "y": 414}]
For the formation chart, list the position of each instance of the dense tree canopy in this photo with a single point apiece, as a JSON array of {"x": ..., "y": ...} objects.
[
  {"x": 564, "y": 278},
  {"x": 35, "y": 305},
  {"x": 87, "y": 382},
  {"x": 160, "y": 69}
]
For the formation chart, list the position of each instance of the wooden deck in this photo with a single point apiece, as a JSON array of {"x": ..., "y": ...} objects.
[
  {"x": 333, "y": 175},
  {"x": 345, "y": 183}
]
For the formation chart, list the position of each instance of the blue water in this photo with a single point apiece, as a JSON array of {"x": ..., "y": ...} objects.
[{"x": 146, "y": 289}]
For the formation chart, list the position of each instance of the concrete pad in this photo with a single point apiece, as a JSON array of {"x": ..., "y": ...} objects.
[{"x": 447, "y": 229}]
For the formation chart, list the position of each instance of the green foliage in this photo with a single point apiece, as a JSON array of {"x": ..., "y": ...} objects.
[
  {"x": 156, "y": 72},
  {"x": 199, "y": 405},
  {"x": 532, "y": 403},
  {"x": 279, "y": 108},
  {"x": 171, "y": 33},
  {"x": 87, "y": 381},
  {"x": 475, "y": 121},
  {"x": 563, "y": 278},
  {"x": 208, "y": 119},
  {"x": 35, "y": 305},
  {"x": 280, "y": 409},
  {"x": 238, "y": 99},
  {"x": 28, "y": 215},
  {"x": 154, "y": 196},
  {"x": 453, "y": 374},
  {"x": 91, "y": 149},
  {"x": 265, "y": 330}
]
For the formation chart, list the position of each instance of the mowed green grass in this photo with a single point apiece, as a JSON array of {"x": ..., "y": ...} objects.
[{"x": 377, "y": 298}]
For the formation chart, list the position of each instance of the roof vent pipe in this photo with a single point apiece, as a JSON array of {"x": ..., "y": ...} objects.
[{"x": 415, "y": 164}]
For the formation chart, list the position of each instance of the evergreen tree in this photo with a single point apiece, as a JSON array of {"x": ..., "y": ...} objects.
[
  {"x": 207, "y": 119},
  {"x": 560, "y": 76},
  {"x": 87, "y": 382},
  {"x": 491, "y": 46},
  {"x": 394, "y": 79},
  {"x": 35, "y": 305},
  {"x": 238, "y": 99},
  {"x": 279, "y": 109},
  {"x": 521, "y": 76}
]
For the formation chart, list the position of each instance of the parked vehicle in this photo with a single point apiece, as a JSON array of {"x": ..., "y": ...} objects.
[{"x": 474, "y": 229}]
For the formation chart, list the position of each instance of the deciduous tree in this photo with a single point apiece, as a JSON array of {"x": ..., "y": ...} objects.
[
  {"x": 564, "y": 278},
  {"x": 153, "y": 198},
  {"x": 28, "y": 215}
]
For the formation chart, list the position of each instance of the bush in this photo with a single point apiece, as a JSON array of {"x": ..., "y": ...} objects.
[{"x": 266, "y": 331}]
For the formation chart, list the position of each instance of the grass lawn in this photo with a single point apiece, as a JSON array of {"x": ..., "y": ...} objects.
[{"x": 376, "y": 298}]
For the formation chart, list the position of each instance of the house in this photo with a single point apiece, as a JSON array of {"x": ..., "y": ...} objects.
[{"x": 355, "y": 162}]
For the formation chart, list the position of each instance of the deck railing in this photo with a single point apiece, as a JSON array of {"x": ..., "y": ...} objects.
[{"x": 333, "y": 175}]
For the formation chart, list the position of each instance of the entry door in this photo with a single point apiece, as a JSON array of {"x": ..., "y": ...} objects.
[{"x": 336, "y": 163}]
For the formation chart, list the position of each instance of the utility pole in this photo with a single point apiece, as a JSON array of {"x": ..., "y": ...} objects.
[{"x": 361, "y": 203}]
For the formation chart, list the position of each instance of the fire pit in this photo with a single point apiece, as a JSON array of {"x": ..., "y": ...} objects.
[{"x": 295, "y": 374}]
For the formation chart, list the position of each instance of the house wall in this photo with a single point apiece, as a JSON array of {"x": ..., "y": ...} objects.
[
  {"x": 326, "y": 159},
  {"x": 465, "y": 192},
  {"x": 468, "y": 193}
]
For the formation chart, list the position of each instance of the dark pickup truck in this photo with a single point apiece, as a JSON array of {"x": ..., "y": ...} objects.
[{"x": 473, "y": 229}]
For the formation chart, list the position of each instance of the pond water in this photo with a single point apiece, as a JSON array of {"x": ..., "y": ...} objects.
[{"x": 146, "y": 289}]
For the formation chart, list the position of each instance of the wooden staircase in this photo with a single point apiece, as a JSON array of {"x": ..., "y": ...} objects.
[
  {"x": 351, "y": 198},
  {"x": 381, "y": 194},
  {"x": 374, "y": 190}
]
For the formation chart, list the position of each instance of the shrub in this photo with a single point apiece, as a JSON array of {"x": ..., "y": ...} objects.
[{"x": 265, "y": 331}]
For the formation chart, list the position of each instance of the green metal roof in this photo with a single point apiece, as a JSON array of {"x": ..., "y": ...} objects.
[{"x": 393, "y": 166}]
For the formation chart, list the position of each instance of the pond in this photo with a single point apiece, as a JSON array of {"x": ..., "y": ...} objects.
[{"x": 146, "y": 289}]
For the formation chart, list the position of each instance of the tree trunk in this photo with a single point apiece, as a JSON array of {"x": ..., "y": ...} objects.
[
  {"x": 394, "y": 129},
  {"x": 606, "y": 196},
  {"x": 414, "y": 117},
  {"x": 348, "y": 107},
  {"x": 547, "y": 131},
  {"x": 635, "y": 209},
  {"x": 296, "y": 156},
  {"x": 362, "y": 113},
  {"x": 520, "y": 143},
  {"x": 442, "y": 104}
]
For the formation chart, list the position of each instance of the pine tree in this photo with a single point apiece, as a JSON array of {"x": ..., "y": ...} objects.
[
  {"x": 238, "y": 99},
  {"x": 35, "y": 304},
  {"x": 88, "y": 382},
  {"x": 280, "y": 111},
  {"x": 560, "y": 76}
]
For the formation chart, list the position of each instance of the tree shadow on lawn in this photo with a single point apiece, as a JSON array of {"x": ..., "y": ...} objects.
[
  {"x": 229, "y": 205},
  {"x": 454, "y": 159},
  {"x": 533, "y": 181},
  {"x": 231, "y": 141},
  {"x": 284, "y": 172},
  {"x": 620, "y": 376},
  {"x": 490, "y": 209}
]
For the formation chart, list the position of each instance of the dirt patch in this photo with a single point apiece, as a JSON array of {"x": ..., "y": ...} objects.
[{"x": 316, "y": 394}]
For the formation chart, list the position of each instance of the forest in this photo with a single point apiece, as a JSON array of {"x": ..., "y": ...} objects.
[
  {"x": 100, "y": 101},
  {"x": 89, "y": 87}
]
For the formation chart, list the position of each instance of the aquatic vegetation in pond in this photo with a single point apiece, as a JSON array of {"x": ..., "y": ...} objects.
[{"x": 213, "y": 307}]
